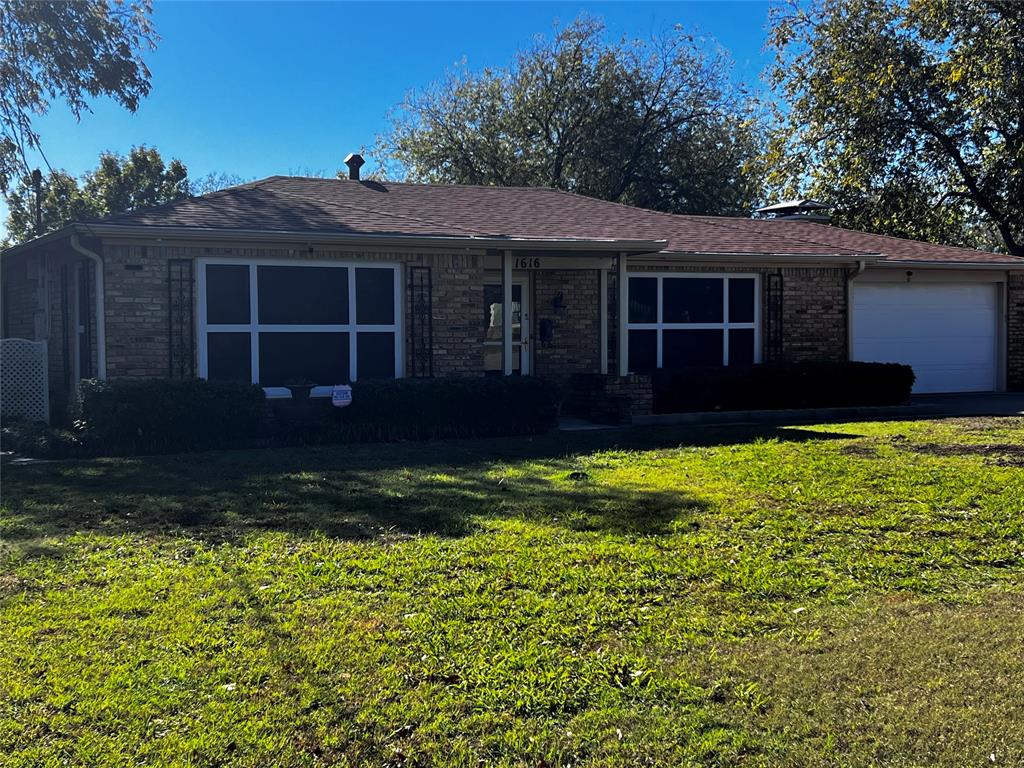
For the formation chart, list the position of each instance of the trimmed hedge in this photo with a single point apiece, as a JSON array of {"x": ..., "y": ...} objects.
[
  {"x": 434, "y": 409},
  {"x": 161, "y": 415},
  {"x": 782, "y": 385}
]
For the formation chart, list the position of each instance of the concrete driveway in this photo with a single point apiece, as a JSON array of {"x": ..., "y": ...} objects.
[{"x": 974, "y": 403}]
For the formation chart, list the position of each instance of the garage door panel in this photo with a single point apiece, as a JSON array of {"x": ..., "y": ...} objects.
[
  {"x": 971, "y": 324},
  {"x": 945, "y": 331},
  {"x": 953, "y": 352}
]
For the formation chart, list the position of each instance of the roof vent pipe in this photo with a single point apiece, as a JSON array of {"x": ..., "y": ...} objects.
[{"x": 354, "y": 162}]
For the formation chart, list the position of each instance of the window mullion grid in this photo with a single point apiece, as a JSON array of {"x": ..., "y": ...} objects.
[
  {"x": 725, "y": 321},
  {"x": 352, "y": 324},
  {"x": 399, "y": 286},
  {"x": 661, "y": 323},
  {"x": 254, "y": 336}
]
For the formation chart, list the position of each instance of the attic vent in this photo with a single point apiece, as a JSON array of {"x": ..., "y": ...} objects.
[
  {"x": 795, "y": 210},
  {"x": 354, "y": 162}
]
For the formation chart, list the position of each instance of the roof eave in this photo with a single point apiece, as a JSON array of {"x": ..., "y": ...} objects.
[
  {"x": 49, "y": 237},
  {"x": 353, "y": 238},
  {"x": 774, "y": 256},
  {"x": 892, "y": 263}
]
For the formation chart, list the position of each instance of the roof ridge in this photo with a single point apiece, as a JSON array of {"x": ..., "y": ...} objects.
[
  {"x": 713, "y": 221},
  {"x": 179, "y": 201},
  {"x": 909, "y": 240},
  {"x": 381, "y": 213},
  {"x": 788, "y": 236},
  {"x": 445, "y": 185}
]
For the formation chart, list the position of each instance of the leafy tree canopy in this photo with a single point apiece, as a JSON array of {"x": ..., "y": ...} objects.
[
  {"x": 655, "y": 124},
  {"x": 119, "y": 183},
  {"x": 905, "y": 114},
  {"x": 72, "y": 51}
]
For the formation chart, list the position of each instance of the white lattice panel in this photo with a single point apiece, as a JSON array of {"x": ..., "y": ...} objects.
[{"x": 23, "y": 386}]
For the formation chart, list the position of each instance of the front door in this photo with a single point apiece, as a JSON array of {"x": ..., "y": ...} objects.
[{"x": 520, "y": 327}]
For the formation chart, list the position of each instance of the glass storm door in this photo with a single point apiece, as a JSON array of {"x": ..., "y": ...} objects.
[{"x": 520, "y": 328}]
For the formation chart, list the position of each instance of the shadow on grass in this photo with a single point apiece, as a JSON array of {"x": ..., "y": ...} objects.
[{"x": 360, "y": 491}]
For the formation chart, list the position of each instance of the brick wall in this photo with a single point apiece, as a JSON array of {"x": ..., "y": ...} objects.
[
  {"x": 1015, "y": 333},
  {"x": 575, "y": 346},
  {"x": 814, "y": 314},
  {"x": 138, "y": 313},
  {"x": 607, "y": 398}
]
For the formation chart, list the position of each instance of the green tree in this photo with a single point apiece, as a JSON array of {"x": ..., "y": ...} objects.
[
  {"x": 71, "y": 51},
  {"x": 213, "y": 182},
  {"x": 120, "y": 183},
  {"x": 655, "y": 124},
  {"x": 907, "y": 116}
]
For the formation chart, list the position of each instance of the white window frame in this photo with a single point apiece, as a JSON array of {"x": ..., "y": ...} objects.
[
  {"x": 254, "y": 328},
  {"x": 725, "y": 326}
]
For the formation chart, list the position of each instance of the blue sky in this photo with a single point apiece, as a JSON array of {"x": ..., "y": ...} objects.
[{"x": 255, "y": 89}]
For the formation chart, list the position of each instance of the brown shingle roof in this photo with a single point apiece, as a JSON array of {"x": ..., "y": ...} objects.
[{"x": 293, "y": 204}]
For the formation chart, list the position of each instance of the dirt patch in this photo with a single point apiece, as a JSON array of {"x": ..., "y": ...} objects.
[
  {"x": 976, "y": 424},
  {"x": 999, "y": 454}
]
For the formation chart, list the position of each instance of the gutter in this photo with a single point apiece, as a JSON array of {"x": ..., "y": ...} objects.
[
  {"x": 699, "y": 257},
  {"x": 850, "y": 277},
  {"x": 101, "y": 318},
  {"x": 996, "y": 266},
  {"x": 158, "y": 233}
]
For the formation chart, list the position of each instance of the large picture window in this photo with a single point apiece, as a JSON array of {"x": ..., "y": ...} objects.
[
  {"x": 677, "y": 321},
  {"x": 279, "y": 323}
]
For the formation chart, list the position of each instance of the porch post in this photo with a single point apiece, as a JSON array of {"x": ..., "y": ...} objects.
[
  {"x": 602, "y": 287},
  {"x": 506, "y": 312},
  {"x": 622, "y": 313}
]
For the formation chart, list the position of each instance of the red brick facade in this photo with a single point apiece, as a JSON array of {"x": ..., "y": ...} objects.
[
  {"x": 1015, "y": 333},
  {"x": 813, "y": 309},
  {"x": 575, "y": 345}
]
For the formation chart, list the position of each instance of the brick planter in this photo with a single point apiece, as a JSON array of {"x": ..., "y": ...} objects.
[{"x": 609, "y": 399}]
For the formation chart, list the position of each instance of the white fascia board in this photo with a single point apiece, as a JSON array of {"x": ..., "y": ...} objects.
[
  {"x": 157, "y": 233},
  {"x": 995, "y": 266}
]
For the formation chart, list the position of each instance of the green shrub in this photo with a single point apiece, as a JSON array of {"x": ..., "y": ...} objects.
[
  {"x": 785, "y": 385},
  {"x": 34, "y": 438},
  {"x": 429, "y": 409},
  {"x": 155, "y": 416},
  {"x": 158, "y": 415}
]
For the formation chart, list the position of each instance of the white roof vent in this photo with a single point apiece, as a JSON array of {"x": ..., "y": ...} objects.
[{"x": 803, "y": 209}]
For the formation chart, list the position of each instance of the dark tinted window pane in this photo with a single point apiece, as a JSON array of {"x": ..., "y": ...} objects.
[
  {"x": 643, "y": 300},
  {"x": 375, "y": 296},
  {"x": 741, "y": 347},
  {"x": 287, "y": 358},
  {"x": 375, "y": 356},
  {"x": 692, "y": 300},
  {"x": 741, "y": 300},
  {"x": 228, "y": 357},
  {"x": 227, "y": 293},
  {"x": 643, "y": 350},
  {"x": 685, "y": 348},
  {"x": 303, "y": 295}
]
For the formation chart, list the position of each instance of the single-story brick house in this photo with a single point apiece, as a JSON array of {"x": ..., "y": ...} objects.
[{"x": 333, "y": 280}]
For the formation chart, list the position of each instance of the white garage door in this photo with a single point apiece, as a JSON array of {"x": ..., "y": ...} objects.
[{"x": 945, "y": 331}]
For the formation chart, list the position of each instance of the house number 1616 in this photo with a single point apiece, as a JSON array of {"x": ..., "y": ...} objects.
[{"x": 526, "y": 263}]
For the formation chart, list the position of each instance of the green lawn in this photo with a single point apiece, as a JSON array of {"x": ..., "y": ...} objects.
[{"x": 833, "y": 595}]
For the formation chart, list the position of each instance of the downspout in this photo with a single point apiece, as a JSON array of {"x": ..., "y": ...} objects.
[
  {"x": 851, "y": 275},
  {"x": 101, "y": 320}
]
